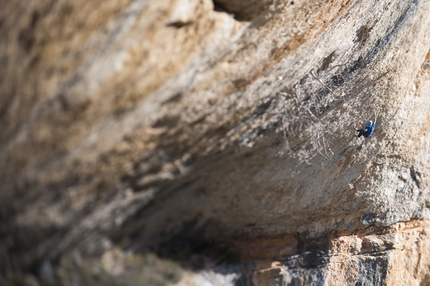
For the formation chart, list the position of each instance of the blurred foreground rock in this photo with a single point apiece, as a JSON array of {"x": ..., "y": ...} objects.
[{"x": 196, "y": 141}]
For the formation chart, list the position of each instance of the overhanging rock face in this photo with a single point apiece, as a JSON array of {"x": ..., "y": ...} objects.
[{"x": 218, "y": 131}]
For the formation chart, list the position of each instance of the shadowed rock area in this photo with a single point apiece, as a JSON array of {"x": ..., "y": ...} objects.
[{"x": 199, "y": 142}]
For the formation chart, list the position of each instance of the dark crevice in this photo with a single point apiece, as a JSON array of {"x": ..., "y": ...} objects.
[
  {"x": 327, "y": 61},
  {"x": 179, "y": 24},
  {"x": 416, "y": 177},
  {"x": 246, "y": 10},
  {"x": 219, "y": 7},
  {"x": 190, "y": 247},
  {"x": 384, "y": 41}
]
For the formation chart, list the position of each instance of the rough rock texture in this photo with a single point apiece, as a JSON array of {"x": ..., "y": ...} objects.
[{"x": 218, "y": 135}]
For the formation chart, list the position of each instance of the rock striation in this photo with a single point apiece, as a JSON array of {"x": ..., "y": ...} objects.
[{"x": 196, "y": 141}]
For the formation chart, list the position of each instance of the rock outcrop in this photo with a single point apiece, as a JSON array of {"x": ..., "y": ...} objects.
[{"x": 143, "y": 139}]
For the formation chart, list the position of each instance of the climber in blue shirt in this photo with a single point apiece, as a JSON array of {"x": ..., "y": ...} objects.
[{"x": 367, "y": 132}]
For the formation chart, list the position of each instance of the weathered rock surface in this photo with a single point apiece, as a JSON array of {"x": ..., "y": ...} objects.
[{"x": 217, "y": 134}]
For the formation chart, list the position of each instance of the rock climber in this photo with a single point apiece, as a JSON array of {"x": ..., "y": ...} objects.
[{"x": 368, "y": 131}]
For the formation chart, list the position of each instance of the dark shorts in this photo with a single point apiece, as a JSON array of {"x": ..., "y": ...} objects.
[{"x": 362, "y": 132}]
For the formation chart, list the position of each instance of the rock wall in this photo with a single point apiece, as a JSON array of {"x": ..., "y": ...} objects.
[{"x": 218, "y": 135}]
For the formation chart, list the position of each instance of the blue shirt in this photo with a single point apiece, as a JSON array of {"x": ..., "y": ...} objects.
[{"x": 370, "y": 128}]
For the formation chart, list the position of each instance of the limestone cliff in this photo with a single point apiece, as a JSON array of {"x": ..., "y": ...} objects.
[{"x": 196, "y": 141}]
